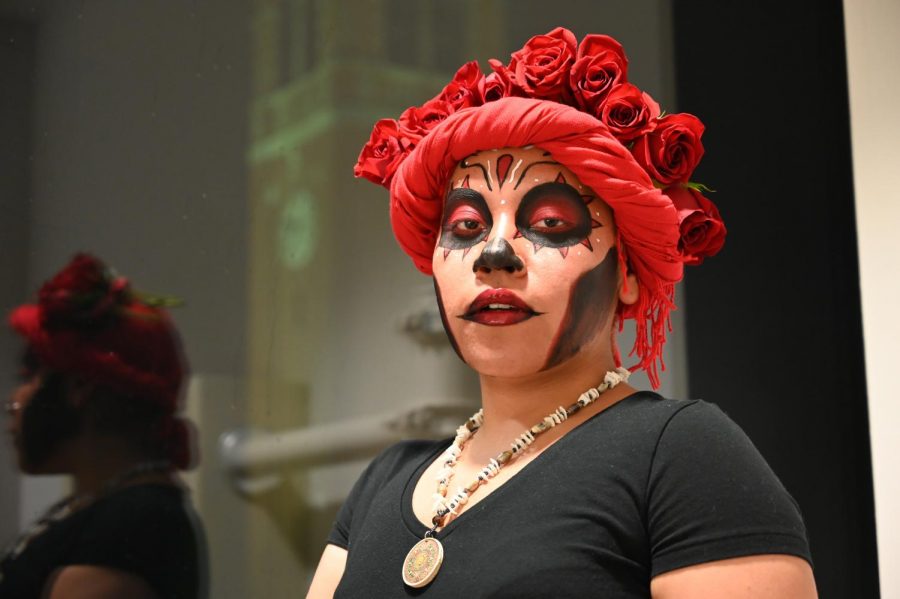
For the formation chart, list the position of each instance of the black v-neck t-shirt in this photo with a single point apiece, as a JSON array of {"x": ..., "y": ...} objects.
[
  {"x": 148, "y": 530},
  {"x": 646, "y": 486}
]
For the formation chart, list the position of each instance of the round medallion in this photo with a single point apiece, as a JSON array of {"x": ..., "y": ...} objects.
[{"x": 423, "y": 562}]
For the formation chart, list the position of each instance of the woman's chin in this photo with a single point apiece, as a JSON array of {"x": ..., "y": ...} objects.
[
  {"x": 506, "y": 351},
  {"x": 509, "y": 362}
]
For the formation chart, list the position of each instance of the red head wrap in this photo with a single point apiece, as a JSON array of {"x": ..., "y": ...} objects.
[
  {"x": 610, "y": 134},
  {"x": 87, "y": 322}
]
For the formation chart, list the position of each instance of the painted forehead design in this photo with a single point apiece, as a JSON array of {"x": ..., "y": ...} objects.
[
  {"x": 550, "y": 214},
  {"x": 501, "y": 169}
]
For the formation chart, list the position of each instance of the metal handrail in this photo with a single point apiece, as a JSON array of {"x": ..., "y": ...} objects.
[{"x": 255, "y": 459}]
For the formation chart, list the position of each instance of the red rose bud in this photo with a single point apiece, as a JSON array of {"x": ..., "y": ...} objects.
[
  {"x": 465, "y": 89},
  {"x": 600, "y": 65},
  {"x": 671, "y": 152},
  {"x": 629, "y": 112},
  {"x": 541, "y": 67},
  {"x": 419, "y": 120},
  {"x": 500, "y": 83},
  {"x": 383, "y": 153},
  {"x": 492, "y": 88},
  {"x": 702, "y": 230}
]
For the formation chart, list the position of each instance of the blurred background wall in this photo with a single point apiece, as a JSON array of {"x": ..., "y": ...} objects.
[
  {"x": 206, "y": 148},
  {"x": 136, "y": 119}
]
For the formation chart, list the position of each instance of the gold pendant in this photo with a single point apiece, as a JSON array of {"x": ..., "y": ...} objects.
[{"x": 423, "y": 562}]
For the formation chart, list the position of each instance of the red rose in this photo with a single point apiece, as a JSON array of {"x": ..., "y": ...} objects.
[
  {"x": 671, "y": 152},
  {"x": 629, "y": 112},
  {"x": 599, "y": 67},
  {"x": 383, "y": 153},
  {"x": 81, "y": 293},
  {"x": 541, "y": 67},
  {"x": 702, "y": 229},
  {"x": 419, "y": 120},
  {"x": 465, "y": 89}
]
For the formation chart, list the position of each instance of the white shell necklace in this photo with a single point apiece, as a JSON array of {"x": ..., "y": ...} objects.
[{"x": 425, "y": 558}]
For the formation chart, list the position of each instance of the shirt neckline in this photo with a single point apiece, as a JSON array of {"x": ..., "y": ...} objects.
[{"x": 418, "y": 528}]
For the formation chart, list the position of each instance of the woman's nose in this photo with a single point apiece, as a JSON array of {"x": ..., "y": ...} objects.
[{"x": 498, "y": 255}]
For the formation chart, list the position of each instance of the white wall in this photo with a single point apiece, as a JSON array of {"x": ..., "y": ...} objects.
[{"x": 874, "y": 79}]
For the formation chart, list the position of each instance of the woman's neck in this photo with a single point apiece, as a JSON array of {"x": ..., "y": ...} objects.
[
  {"x": 100, "y": 462},
  {"x": 513, "y": 404}
]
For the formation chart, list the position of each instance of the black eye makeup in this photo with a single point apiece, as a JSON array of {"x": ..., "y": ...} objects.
[
  {"x": 466, "y": 220},
  {"x": 553, "y": 215}
]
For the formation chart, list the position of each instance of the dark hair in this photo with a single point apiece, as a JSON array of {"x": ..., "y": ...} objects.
[
  {"x": 135, "y": 419},
  {"x": 47, "y": 420},
  {"x": 50, "y": 417}
]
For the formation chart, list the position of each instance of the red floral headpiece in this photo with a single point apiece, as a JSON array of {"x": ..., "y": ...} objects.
[
  {"x": 575, "y": 101},
  {"x": 90, "y": 323}
]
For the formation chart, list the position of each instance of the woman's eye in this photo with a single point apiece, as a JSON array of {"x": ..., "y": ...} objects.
[
  {"x": 550, "y": 224},
  {"x": 466, "y": 228}
]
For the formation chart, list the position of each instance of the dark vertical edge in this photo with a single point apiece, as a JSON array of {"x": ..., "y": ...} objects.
[
  {"x": 17, "y": 73},
  {"x": 774, "y": 321}
]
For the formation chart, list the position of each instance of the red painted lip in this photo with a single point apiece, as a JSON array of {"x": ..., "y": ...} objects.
[{"x": 480, "y": 310}]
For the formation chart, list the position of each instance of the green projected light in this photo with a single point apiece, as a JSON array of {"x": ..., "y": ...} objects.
[{"x": 297, "y": 235}]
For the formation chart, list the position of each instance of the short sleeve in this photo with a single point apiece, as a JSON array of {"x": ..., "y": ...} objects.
[
  {"x": 712, "y": 496},
  {"x": 146, "y": 531},
  {"x": 340, "y": 531},
  {"x": 382, "y": 467}
]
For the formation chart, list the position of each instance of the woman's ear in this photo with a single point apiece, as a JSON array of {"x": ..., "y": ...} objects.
[{"x": 628, "y": 289}]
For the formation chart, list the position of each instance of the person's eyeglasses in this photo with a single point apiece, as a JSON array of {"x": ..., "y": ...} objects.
[{"x": 12, "y": 407}]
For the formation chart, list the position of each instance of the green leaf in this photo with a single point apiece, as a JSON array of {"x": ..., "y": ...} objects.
[
  {"x": 159, "y": 301},
  {"x": 699, "y": 187}
]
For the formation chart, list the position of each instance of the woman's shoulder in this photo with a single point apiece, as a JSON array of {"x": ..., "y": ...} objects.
[
  {"x": 150, "y": 530},
  {"x": 402, "y": 456},
  {"x": 146, "y": 511},
  {"x": 646, "y": 412},
  {"x": 648, "y": 408},
  {"x": 647, "y": 423}
]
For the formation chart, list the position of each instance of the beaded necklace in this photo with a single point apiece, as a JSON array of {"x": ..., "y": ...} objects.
[{"x": 425, "y": 558}]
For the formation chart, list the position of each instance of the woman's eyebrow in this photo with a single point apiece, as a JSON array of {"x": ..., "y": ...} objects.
[
  {"x": 524, "y": 172},
  {"x": 460, "y": 194}
]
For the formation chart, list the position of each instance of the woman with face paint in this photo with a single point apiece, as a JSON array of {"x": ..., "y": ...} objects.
[
  {"x": 550, "y": 200},
  {"x": 100, "y": 387}
]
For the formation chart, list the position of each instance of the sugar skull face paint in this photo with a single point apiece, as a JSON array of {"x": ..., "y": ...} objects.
[{"x": 525, "y": 268}]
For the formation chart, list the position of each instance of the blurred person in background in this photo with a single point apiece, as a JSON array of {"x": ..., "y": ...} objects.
[
  {"x": 551, "y": 200},
  {"x": 101, "y": 385}
]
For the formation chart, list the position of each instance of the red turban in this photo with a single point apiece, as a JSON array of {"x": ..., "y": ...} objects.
[{"x": 88, "y": 323}]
